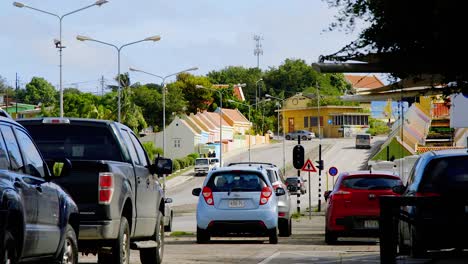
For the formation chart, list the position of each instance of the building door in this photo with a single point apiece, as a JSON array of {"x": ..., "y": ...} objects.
[{"x": 290, "y": 124}]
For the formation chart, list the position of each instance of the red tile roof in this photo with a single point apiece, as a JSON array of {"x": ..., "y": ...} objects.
[
  {"x": 364, "y": 81},
  {"x": 235, "y": 115}
]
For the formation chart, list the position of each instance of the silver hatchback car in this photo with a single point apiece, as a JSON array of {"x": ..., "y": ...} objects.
[{"x": 237, "y": 201}]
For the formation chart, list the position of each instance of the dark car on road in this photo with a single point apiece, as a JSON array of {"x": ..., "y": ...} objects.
[
  {"x": 113, "y": 182},
  {"x": 353, "y": 206},
  {"x": 297, "y": 184},
  {"x": 39, "y": 221},
  {"x": 441, "y": 177}
]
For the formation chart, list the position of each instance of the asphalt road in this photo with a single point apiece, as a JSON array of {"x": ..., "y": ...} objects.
[{"x": 306, "y": 245}]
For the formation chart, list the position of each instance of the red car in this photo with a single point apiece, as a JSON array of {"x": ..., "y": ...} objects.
[{"x": 353, "y": 205}]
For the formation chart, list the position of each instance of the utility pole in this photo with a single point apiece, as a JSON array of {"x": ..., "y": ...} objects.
[
  {"x": 102, "y": 85},
  {"x": 16, "y": 96}
]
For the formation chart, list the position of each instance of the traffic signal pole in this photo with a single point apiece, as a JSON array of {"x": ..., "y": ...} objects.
[{"x": 319, "y": 206}]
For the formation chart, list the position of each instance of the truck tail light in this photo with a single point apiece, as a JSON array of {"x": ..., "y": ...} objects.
[
  {"x": 265, "y": 195},
  {"x": 208, "y": 195},
  {"x": 106, "y": 187}
]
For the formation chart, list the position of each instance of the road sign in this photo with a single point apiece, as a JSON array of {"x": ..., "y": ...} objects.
[
  {"x": 333, "y": 171},
  {"x": 330, "y": 121},
  {"x": 308, "y": 166}
]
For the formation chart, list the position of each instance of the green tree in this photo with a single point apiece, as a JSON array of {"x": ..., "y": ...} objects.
[
  {"x": 38, "y": 90},
  {"x": 200, "y": 99}
]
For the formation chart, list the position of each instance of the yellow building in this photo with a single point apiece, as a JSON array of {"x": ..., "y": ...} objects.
[{"x": 301, "y": 112}]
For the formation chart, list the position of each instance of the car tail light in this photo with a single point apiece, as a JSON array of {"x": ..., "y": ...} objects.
[
  {"x": 281, "y": 214},
  {"x": 208, "y": 195},
  {"x": 106, "y": 187},
  {"x": 265, "y": 195},
  {"x": 342, "y": 195}
]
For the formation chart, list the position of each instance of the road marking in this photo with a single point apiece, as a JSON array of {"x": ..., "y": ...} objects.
[{"x": 270, "y": 258}]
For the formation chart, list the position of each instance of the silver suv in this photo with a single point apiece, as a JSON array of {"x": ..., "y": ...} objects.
[{"x": 284, "y": 202}]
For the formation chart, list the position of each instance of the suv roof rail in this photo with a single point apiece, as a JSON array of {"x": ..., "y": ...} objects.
[{"x": 251, "y": 163}]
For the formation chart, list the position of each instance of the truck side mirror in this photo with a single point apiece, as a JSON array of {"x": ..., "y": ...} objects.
[
  {"x": 196, "y": 192},
  {"x": 161, "y": 166}
]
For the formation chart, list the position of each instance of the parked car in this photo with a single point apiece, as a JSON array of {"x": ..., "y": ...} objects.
[
  {"x": 168, "y": 215},
  {"x": 442, "y": 176},
  {"x": 237, "y": 200},
  {"x": 363, "y": 141},
  {"x": 270, "y": 134},
  {"x": 284, "y": 202},
  {"x": 113, "y": 182},
  {"x": 38, "y": 219},
  {"x": 303, "y": 134},
  {"x": 353, "y": 205},
  {"x": 298, "y": 184}
]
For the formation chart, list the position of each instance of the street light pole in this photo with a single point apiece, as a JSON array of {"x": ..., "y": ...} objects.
[
  {"x": 220, "y": 121},
  {"x": 163, "y": 85},
  {"x": 58, "y": 43},
  {"x": 84, "y": 38},
  {"x": 257, "y": 93},
  {"x": 284, "y": 144}
]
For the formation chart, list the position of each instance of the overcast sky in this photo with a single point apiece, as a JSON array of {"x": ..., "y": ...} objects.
[{"x": 209, "y": 34}]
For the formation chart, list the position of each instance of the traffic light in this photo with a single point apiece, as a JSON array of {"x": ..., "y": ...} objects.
[
  {"x": 298, "y": 157},
  {"x": 319, "y": 164}
]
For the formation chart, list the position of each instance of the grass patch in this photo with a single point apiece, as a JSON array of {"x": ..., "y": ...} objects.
[
  {"x": 181, "y": 233},
  {"x": 397, "y": 151},
  {"x": 296, "y": 215}
]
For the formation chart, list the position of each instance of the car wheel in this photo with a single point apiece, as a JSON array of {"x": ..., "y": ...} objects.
[
  {"x": 121, "y": 247},
  {"x": 273, "y": 236},
  {"x": 155, "y": 255},
  {"x": 9, "y": 252},
  {"x": 330, "y": 237},
  {"x": 416, "y": 248},
  {"x": 288, "y": 137},
  {"x": 69, "y": 253},
  {"x": 304, "y": 138},
  {"x": 283, "y": 227},
  {"x": 168, "y": 228},
  {"x": 202, "y": 236}
]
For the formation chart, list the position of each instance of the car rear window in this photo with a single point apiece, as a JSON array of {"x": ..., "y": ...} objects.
[
  {"x": 201, "y": 162},
  {"x": 292, "y": 180},
  {"x": 236, "y": 181},
  {"x": 445, "y": 175},
  {"x": 370, "y": 183},
  {"x": 75, "y": 142}
]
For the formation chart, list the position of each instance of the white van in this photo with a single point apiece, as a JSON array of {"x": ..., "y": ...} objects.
[
  {"x": 204, "y": 165},
  {"x": 363, "y": 141}
]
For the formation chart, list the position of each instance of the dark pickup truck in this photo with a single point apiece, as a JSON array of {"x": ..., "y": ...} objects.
[{"x": 111, "y": 179}]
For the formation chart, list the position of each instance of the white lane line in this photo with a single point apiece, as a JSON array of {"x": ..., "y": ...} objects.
[{"x": 270, "y": 258}]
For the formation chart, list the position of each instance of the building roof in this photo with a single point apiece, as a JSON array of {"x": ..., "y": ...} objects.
[
  {"x": 207, "y": 121},
  {"x": 235, "y": 115},
  {"x": 364, "y": 81},
  {"x": 187, "y": 125},
  {"x": 214, "y": 118},
  {"x": 239, "y": 93}
]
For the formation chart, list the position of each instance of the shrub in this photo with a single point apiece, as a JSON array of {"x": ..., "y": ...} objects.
[
  {"x": 194, "y": 156},
  {"x": 182, "y": 163},
  {"x": 175, "y": 165}
]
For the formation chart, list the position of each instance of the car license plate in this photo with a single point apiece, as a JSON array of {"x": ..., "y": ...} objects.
[
  {"x": 371, "y": 224},
  {"x": 236, "y": 203}
]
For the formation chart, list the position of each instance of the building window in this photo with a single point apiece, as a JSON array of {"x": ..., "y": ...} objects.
[
  {"x": 176, "y": 143},
  {"x": 306, "y": 121},
  {"x": 313, "y": 121}
]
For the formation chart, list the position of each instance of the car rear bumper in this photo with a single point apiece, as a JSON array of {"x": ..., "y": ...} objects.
[
  {"x": 365, "y": 226},
  {"x": 99, "y": 230}
]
